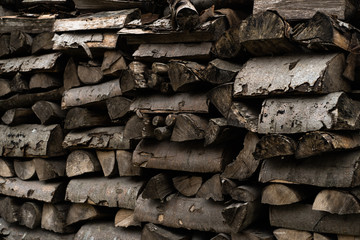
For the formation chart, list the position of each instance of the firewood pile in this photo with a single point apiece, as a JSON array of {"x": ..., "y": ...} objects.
[{"x": 179, "y": 119}]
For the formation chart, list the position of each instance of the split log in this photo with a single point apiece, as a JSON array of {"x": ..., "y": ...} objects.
[
  {"x": 18, "y": 84},
  {"x": 160, "y": 155},
  {"x": 6, "y": 168},
  {"x": 25, "y": 170},
  {"x": 189, "y": 127},
  {"x": 42, "y": 81},
  {"x": 306, "y": 171},
  {"x": 246, "y": 193},
  {"x": 218, "y": 131},
  {"x": 163, "y": 133},
  {"x": 71, "y": 78},
  {"x": 347, "y": 237},
  {"x": 106, "y": 231},
  {"x": 20, "y": 43},
  {"x": 287, "y": 234},
  {"x": 184, "y": 76},
  {"x": 221, "y": 98},
  {"x": 211, "y": 189},
  {"x": 135, "y": 77},
  {"x": 54, "y": 218},
  {"x": 48, "y": 112},
  {"x": 49, "y": 169},
  {"x": 334, "y": 111},
  {"x": 30, "y": 140},
  {"x": 125, "y": 165},
  {"x": 165, "y": 52},
  {"x": 148, "y": 129},
  {"x": 183, "y": 14},
  {"x": 155, "y": 232},
  {"x": 245, "y": 164},
  {"x": 125, "y": 218},
  {"x": 99, "y": 138},
  {"x": 30, "y": 215},
  {"x": 181, "y": 212},
  {"x": 42, "y": 43},
  {"x": 90, "y": 75},
  {"x": 318, "y": 236},
  {"x": 158, "y": 187},
  {"x": 90, "y": 94},
  {"x": 17, "y": 116},
  {"x": 133, "y": 128},
  {"x": 118, "y": 107},
  {"x": 253, "y": 234},
  {"x": 99, "y": 191},
  {"x": 80, "y": 212},
  {"x": 113, "y": 64},
  {"x": 227, "y": 46},
  {"x": 244, "y": 115},
  {"x": 85, "y": 118},
  {"x": 101, "y": 5},
  {"x": 16, "y": 232},
  {"x": 10, "y": 209},
  {"x": 275, "y": 145},
  {"x": 108, "y": 163},
  {"x": 316, "y": 143},
  {"x": 33, "y": 24},
  {"x": 336, "y": 202},
  {"x": 6, "y": 88},
  {"x": 170, "y": 120},
  {"x": 5, "y": 43},
  {"x": 286, "y": 74},
  {"x": 187, "y": 185},
  {"x": 158, "y": 121},
  {"x": 220, "y": 71},
  {"x": 41, "y": 191},
  {"x": 80, "y": 162},
  {"x": 281, "y": 194}
]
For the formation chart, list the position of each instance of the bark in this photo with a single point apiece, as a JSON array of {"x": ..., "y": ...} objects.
[
  {"x": 48, "y": 112},
  {"x": 49, "y": 169},
  {"x": 80, "y": 162},
  {"x": 244, "y": 115},
  {"x": 33, "y": 25}
]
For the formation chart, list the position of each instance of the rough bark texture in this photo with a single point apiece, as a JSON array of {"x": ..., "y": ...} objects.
[{"x": 189, "y": 127}]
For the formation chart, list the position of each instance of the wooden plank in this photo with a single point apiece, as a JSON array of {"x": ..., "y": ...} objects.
[{"x": 34, "y": 25}]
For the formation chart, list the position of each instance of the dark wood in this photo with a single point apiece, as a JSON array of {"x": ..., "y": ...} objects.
[
  {"x": 189, "y": 127},
  {"x": 221, "y": 236},
  {"x": 18, "y": 84},
  {"x": 47, "y": 169},
  {"x": 85, "y": 118},
  {"x": 113, "y": 64},
  {"x": 80, "y": 162},
  {"x": 71, "y": 78},
  {"x": 183, "y": 14},
  {"x": 81, "y": 212},
  {"x": 54, "y": 218},
  {"x": 187, "y": 185},
  {"x": 246, "y": 192},
  {"x": 275, "y": 145},
  {"x": 158, "y": 187},
  {"x": 253, "y": 234},
  {"x": 163, "y": 133},
  {"x": 48, "y": 112},
  {"x": 184, "y": 76},
  {"x": 318, "y": 236},
  {"x": 287, "y": 234},
  {"x": 211, "y": 189},
  {"x": 42, "y": 43},
  {"x": 244, "y": 115},
  {"x": 135, "y": 77},
  {"x": 336, "y": 202},
  {"x": 5, "y": 87},
  {"x": 6, "y": 168},
  {"x": 10, "y": 209},
  {"x": 101, "y": 5},
  {"x": 17, "y": 116},
  {"x": 227, "y": 46},
  {"x": 125, "y": 165},
  {"x": 125, "y": 218},
  {"x": 20, "y": 43},
  {"x": 281, "y": 194},
  {"x": 156, "y": 232},
  {"x": 118, "y": 107},
  {"x": 30, "y": 215},
  {"x": 218, "y": 131},
  {"x": 108, "y": 162},
  {"x": 170, "y": 120},
  {"x": 89, "y": 75},
  {"x": 133, "y": 128},
  {"x": 25, "y": 169},
  {"x": 158, "y": 121},
  {"x": 220, "y": 71},
  {"x": 37, "y": 24},
  {"x": 43, "y": 81},
  {"x": 5, "y": 43}
]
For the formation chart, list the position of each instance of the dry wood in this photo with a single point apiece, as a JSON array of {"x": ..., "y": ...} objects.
[
  {"x": 118, "y": 107},
  {"x": 17, "y": 116},
  {"x": 253, "y": 234},
  {"x": 125, "y": 165},
  {"x": 108, "y": 162},
  {"x": 5, "y": 89},
  {"x": 189, "y": 127},
  {"x": 133, "y": 128},
  {"x": 158, "y": 121},
  {"x": 135, "y": 77},
  {"x": 221, "y": 236},
  {"x": 90, "y": 75},
  {"x": 155, "y": 232},
  {"x": 220, "y": 71},
  {"x": 99, "y": 191},
  {"x": 10, "y": 209},
  {"x": 49, "y": 169},
  {"x": 333, "y": 111},
  {"x": 71, "y": 78},
  {"x": 37, "y": 24},
  {"x": 25, "y": 169},
  {"x": 318, "y": 236},
  {"x": 211, "y": 189},
  {"x": 158, "y": 187},
  {"x": 246, "y": 193},
  {"x": 99, "y": 5},
  {"x": 183, "y": 14},
  {"x": 281, "y": 194},
  {"x": 6, "y": 168},
  {"x": 81, "y": 212},
  {"x": 18, "y": 84},
  {"x": 80, "y": 162},
  {"x": 113, "y": 64},
  {"x": 187, "y": 185},
  {"x": 42, "y": 43},
  {"x": 347, "y": 237},
  {"x": 30, "y": 215},
  {"x": 41, "y": 81},
  {"x": 184, "y": 76},
  {"x": 244, "y": 115},
  {"x": 228, "y": 44},
  {"x": 85, "y": 118},
  {"x": 170, "y": 120},
  {"x": 162, "y": 133},
  {"x": 288, "y": 234},
  {"x": 336, "y": 202},
  {"x": 275, "y": 145},
  {"x": 48, "y": 112},
  {"x": 218, "y": 131},
  {"x": 221, "y": 98},
  {"x": 54, "y": 218},
  {"x": 5, "y": 43},
  {"x": 125, "y": 218},
  {"x": 20, "y": 43}
]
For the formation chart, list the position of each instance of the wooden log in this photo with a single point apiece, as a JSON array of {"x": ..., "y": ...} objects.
[
  {"x": 71, "y": 78},
  {"x": 39, "y": 140},
  {"x": 275, "y": 145},
  {"x": 170, "y": 120},
  {"x": 318, "y": 236},
  {"x": 18, "y": 84},
  {"x": 89, "y": 75},
  {"x": 6, "y": 168},
  {"x": 253, "y": 234},
  {"x": 48, "y": 112},
  {"x": 246, "y": 193},
  {"x": 17, "y": 116},
  {"x": 30, "y": 215},
  {"x": 184, "y": 76},
  {"x": 85, "y": 118},
  {"x": 42, "y": 81},
  {"x": 25, "y": 170},
  {"x": 221, "y": 236},
  {"x": 80, "y": 212},
  {"x": 90, "y": 94},
  {"x": 5, "y": 43},
  {"x": 99, "y": 191},
  {"x": 49, "y": 169},
  {"x": 306, "y": 171},
  {"x": 281, "y": 194},
  {"x": 80, "y": 162},
  {"x": 33, "y": 24},
  {"x": 288, "y": 115},
  {"x": 183, "y": 14},
  {"x": 211, "y": 189},
  {"x": 20, "y": 43},
  {"x": 154, "y": 232},
  {"x": 101, "y": 5},
  {"x": 160, "y": 155},
  {"x": 187, "y": 185},
  {"x": 287, "y": 234},
  {"x": 220, "y": 71},
  {"x": 285, "y": 74},
  {"x": 291, "y": 10},
  {"x": 189, "y": 127},
  {"x": 316, "y": 143},
  {"x": 108, "y": 162},
  {"x": 181, "y": 212},
  {"x": 347, "y": 237},
  {"x": 42, "y": 43},
  {"x": 158, "y": 121},
  {"x": 10, "y": 209},
  {"x": 218, "y": 131},
  {"x": 54, "y": 218},
  {"x": 133, "y": 128},
  {"x": 99, "y": 138},
  {"x": 113, "y": 63},
  {"x": 245, "y": 164},
  {"x": 227, "y": 46},
  {"x": 336, "y": 202},
  {"x": 135, "y": 77},
  {"x": 125, "y": 218},
  {"x": 244, "y": 115},
  {"x": 5, "y": 88},
  {"x": 158, "y": 187},
  {"x": 118, "y": 107},
  {"x": 125, "y": 165},
  {"x": 162, "y": 133},
  {"x": 41, "y": 191}
]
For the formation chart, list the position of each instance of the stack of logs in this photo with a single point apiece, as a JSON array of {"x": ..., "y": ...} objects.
[{"x": 177, "y": 120}]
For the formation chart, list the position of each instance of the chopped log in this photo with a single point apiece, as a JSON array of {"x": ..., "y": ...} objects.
[
  {"x": 90, "y": 75},
  {"x": 80, "y": 162},
  {"x": 286, "y": 74},
  {"x": 125, "y": 218},
  {"x": 288, "y": 234},
  {"x": 148, "y": 129},
  {"x": 48, "y": 112},
  {"x": 71, "y": 78},
  {"x": 160, "y": 155},
  {"x": 44, "y": 81},
  {"x": 118, "y": 107},
  {"x": 163, "y": 133},
  {"x": 184, "y": 76},
  {"x": 220, "y": 71},
  {"x": 100, "y": 191},
  {"x": 85, "y": 118},
  {"x": 170, "y": 120},
  {"x": 54, "y": 218},
  {"x": 246, "y": 193},
  {"x": 30, "y": 140},
  {"x": 42, "y": 43},
  {"x": 113, "y": 64},
  {"x": 101, "y": 5},
  {"x": 155, "y": 232},
  {"x": 299, "y": 10},
  {"x": 158, "y": 187},
  {"x": 49, "y": 169},
  {"x": 336, "y": 202},
  {"x": 20, "y": 43},
  {"x": 5, "y": 89},
  {"x": 90, "y": 94},
  {"x": 165, "y": 52},
  {"x": 106, "y": 231},
  {"x": 334, "y": 111},
  {"x": 32, "y": 24},
  {"x": 189, "y": 127},
  {"x": 218, "y": 131},
  {"x": 133, "y": 128},
  {"x": 158, "y": 121},
  {"x": 184, "y": 14},
  {"x": 108, "y": 162},
  {"x": 41, "y": 191},
  {"x": 316, "y": 143},
  {"x": 244, "y": 115},
  {"x": 307, "y": 171},
  {"x": 180, "y": 212},
  {"x": 187, "y": 185},
  {"x": 160, "y": 68},
  {"x": 211, "y": 189},
  {"x": 10, "y": 209},
  {"x": 275, "y": 145},
  {"x": 178, "y": 103},
  {"x": 110, "y": 138},
  {"x": 135, "y": 77},
  {"x": 318, "y": 236},
  {"x": 245, "y": 164},
  {"x": 5, "y": 43},
  {"x": 253, "y": 234},
  {"x": 25, "y": 170},
  {"x": 17, "y": 116},
  {"x": 281, "y": 194},
  {"x": 30, "y": 215},
  {"x": 80, "y": 212},
  {"x": 125, "y": 165},
  {"x": 97, "y": 21},
  {"x": 6, "y": 168},
  {"x": 227, "y": 46}
]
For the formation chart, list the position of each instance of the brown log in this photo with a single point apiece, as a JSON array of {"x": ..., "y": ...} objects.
[
  {"x": 133, "y": 128},
  {"x": 218, "y": 131},
  {"x": 48, "y": 112},
  {"x": 281, "y": 194},
  {"x": 6, "y": 168},
  {"x": 90, "y": 75},
  {"x": 71, "y": 78},
  {"x": 158, "y": 121},
  {"x": 85, "y": 118},
  {"x": 155, "y": 232},
  {"x": 184, "y": 76},
  {"x": 25, "y": 170},
  {"x": 80, "y": 162},
  {"x": 5, "y": 89},
  {"x": 336, "y": 202},
  {"x": 125, "y": 218},
  {"x": 227, "y": 46},
  {"x": 33, "y": 24},
  {"x": 42, "y": 43},
  {"x": 187, "y": 185},
  {"x": 125, "y": 164},
  {"x": 30, "y": 215},
  {"x": 211, "y": 189},
  {"x": 135, "y": 77},
  {"x": 170, "y": 120},
  {"x": 287, "y": 234},
  {"x": 10, "y": 209},
  {"x": 49, "y": 169},
  {"x": 253, "y": 234},
  {"x": 17, "y": 116},
  {"x": 220, "y": 71},
  {"x": 118, "y": 107},
  {"x": 158, "y": 187},
  {"x": 183, "y": 14},
  {"x": 108, "y": 162},
  {"x": 221, "y": 236},
  {"x": 189, "y": 127},
  {"x": 160, "y": 68},
  {"x": 246, "y": 193},
  {"x": 20, "y": 43},
  {"x": 5, "y": 43},
  {"x": 113, "y": 63},
  {"x": 318, "y": 236},
  {"x": 54, "y": 218},
  {"x": 80, "y": 212},
  {"x": 244, "y": 115},
  {"x": 41, "y": 81},
  {"x": 163, "y": 133},
  {"x": 275, "y": 145}
]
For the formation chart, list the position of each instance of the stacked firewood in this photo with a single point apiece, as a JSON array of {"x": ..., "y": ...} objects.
[{"x": 179, "y": 120}]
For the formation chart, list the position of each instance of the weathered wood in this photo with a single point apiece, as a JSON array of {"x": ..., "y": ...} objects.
[
  {"x": 275, "y": 145},
  {"x": 244, "y": 115},
  {"x": 135, "y": 77},
  {"x": 17, "y": 116},
  {"x": 158, "y": 187},
  {"x": 155, "y": 232},
  {"x": 90, "y": 75},
  {"x": 333, "y": 111},
  {"x": 108, "y": 162},
  {"x": 253, "y": 234},
  {"x": 113, "y": 64},
  {"x": 158, "y": 121},
  {"x": 90, "y": 94},
  {"x": 48, "y": 112},
  {"x": 125, "y": 218},
  {"x": 80, "y": 212},
  {"x": 80, "y": 162},
  {"x": 347, "y": 237},
  {"x": 187, "y": 185},
  {"x": 307, "y": 171},
  {"x": 133, "y": 128},
  {"x": 49, "y": 169},
  {"x": 37, "y": 190},
  {"x": 220, "y": 71},
  {"x": 99, "y": 191},
  {"x": 30, "y": 140},
  {"x": 6, "y": 168},
  {"x": 42, "y": 43},
  {"x": 10, "y": 209},
  {"x": 118, "y": 107},
  {"x": 228, "y": 46},
  {"x": 18, "y": 84},
  {"x": 183, "y": 14},
  {"x": 85, "y": 118},
  {"x": 218, "y": 131},
  {"x": 162, "y": 133},
  {"x": 318, "y": 236},
  {"x": 5, "y": 43},
  {"x": 336, "y": 202},
  {"x": 170, "y": 120},
  {"x": 71, "y": 78},
  {"x": 41, "y": 81},
  {"x": 189, "y": 127},
  {"x": 221, "y": 236},
  {"x": 125, "y": 165},
  {"x": 54, "y": 218},
  {"x": 174, "y": 156},
  {"x": 281, "y": 194},
  {"x": 25, "y": 169},
  {"x": 5, "y": 89},
  {"x": 37, "y": 24},
  {"x": 184, "y": 76},
  {"x": 30, "y": 215},
  {"x": 246, "y": 193},
  {"x": 287, "y": 234},
  {"x": 98, "y": 138},
  {"x": 211, "y": 189},
  {"x": 20, "y": 43}
]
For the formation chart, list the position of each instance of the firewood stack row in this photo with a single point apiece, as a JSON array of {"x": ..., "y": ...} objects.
[{"x": 179, "y": 120}]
